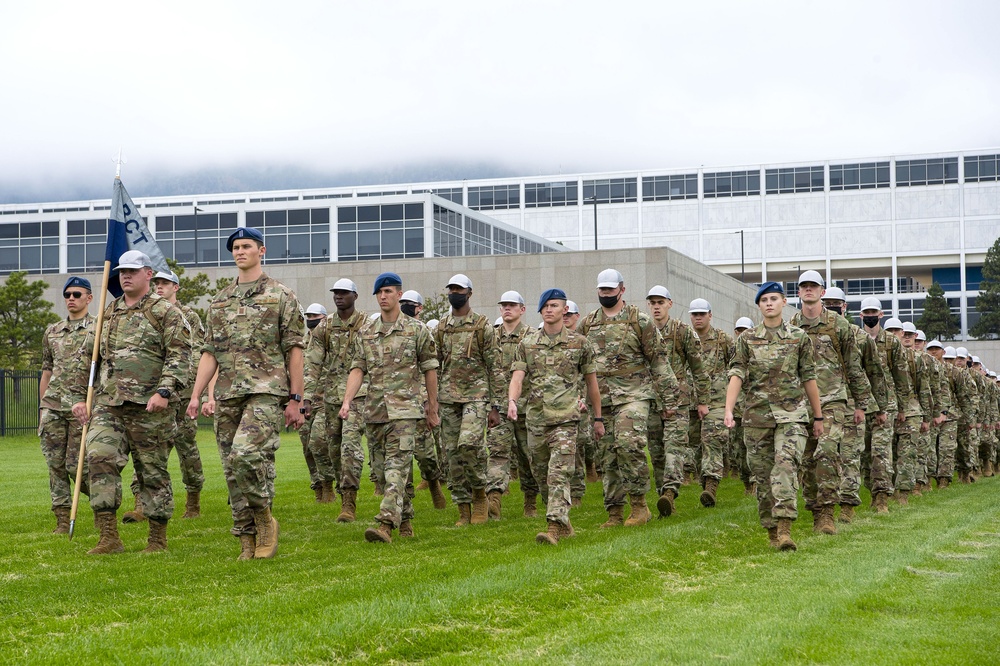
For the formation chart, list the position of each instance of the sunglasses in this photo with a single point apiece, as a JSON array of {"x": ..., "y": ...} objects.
[{"x": 73, "y": 294}]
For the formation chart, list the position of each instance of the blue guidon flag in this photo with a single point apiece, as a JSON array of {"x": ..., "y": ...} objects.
[{"x": 128, "y": 231}]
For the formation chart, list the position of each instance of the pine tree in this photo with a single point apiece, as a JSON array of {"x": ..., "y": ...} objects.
[
  {"x": 938, "y": 322},
  {"x": 24, "y": 315},
  {"x": 988, "y": 302}
]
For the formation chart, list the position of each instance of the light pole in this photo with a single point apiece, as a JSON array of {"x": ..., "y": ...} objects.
[
  {"x": 196, "y": 211},
  {"x": 743, "y": 268},
  {"x": 594, "y": 199}
]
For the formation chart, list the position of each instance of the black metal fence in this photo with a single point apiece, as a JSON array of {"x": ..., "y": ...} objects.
[{"x": 19, "y": 401}]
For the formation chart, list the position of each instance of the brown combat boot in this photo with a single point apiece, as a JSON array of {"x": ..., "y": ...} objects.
[
  {"x": 406, "y": 529},
  {"x": 943, "y": 482},
  {"x": 192, "y": 505},
  {"x": 381, "y": 533},
  {"x": 640, "y": 512},
  {"x": 708, "y": 494},
  {"x": 881, "y": 503},
  {"x": 326, "y": 492},
  {"x": 157, "y": 536},
  {"x": 566, "y": 531},
  {"x": 437, "y": 497},
  {"x": 480, "y": 507},
  {"x": 107, "y": 524},
  {"x": 267, "y": 534},
  {"x": 615, "y": 518},
  {"x": 247, "y": 547},
  {"x": 785, "y": 534},
  {"x": 988, "y": 468},
  {"x": 135, "y": 515},
  {"x": 494, "y": 504},
  {"x": 846, "y": 514},
  {"x": 823, "y": 520},
  {"x": 591, "y": 473},
  {"x": 62, "y": 520},
  {"x": 530, "y": 505},
  {"x": 749, "y": 489},
  {"x": 902, "y": 496},
  {"x": 348, "y": 507},
  {"x": 423, "y": 485},
  {"x": 319, "y": 493},
  {"x": 665, "y": 505},
  {"x": 576, "y": 501},
  {"x": 464, "y": 515},
  {"x": 916, "y": 492},
  {"x": 379, "y": 490},
  {"x": 551, "y": 537},
  {"x": 772, "y": 537}
]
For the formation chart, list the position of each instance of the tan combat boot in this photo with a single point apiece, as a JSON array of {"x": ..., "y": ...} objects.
[
  {"x": 640, "y": 512},
  {"x": 267, "y": 534},
  {"x": 464, "y": 515},
  {"x": 423, "y": 485},
  {"x": 480, "y": 507},
  {"x": 772, "y": 537},
  {"x": 107, "y": 525},
  {"x": 988, "y": 468},
  {"x": 916, "y": 492},
  {"x": 665, "y": 505},
  {"x": 823, "y": 520},
  {"x": 319, "y": 493},
  {"x": 551, "y": 537},
  {"x": 437, "y": 497},
  {"x": 846, "y": 514},
  {"x": 348, "y": 508},
  {"x": 943, "y": 482},
  {"x": 157, "y": 536},
  {"x": 708, "y": 494},
  {"x": 192, "y": 505},
  {"x": 326, "y": 492},
  {"x": 749, "y": 489},
  {"x": 591, "y": 473},
  {"x": 406, "y": 529},
  {"x": 576, "y": 501},
  {"x": 881, "y": 503},
  {"x": 381, "y": 533},
  {"x": 493, "y": 499},
  {"x": 247, "y": 547},
  {"x": 902, "y": 496},
  {"x": 785, "y": 534},
  {"x": 135, "y": 515},
  {"x": 62, "y": 520},
  {"x": 530, "y": 505},
  {"x": 566, "y": 531},
  {"x": 615, "y": 516}
]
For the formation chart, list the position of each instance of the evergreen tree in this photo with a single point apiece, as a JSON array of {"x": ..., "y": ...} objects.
[
  {"x": 938, "y": 321},
  {"x": 24, "y": 315},
  {"x": 192, "y": 288},
  {"x": 988, "y": 302}
]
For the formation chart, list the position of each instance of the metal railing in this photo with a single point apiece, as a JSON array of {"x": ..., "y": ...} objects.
[{"x": 19, "y": 401}]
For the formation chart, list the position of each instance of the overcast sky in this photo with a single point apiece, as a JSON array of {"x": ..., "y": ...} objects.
[{"x": 539, "y": 87}]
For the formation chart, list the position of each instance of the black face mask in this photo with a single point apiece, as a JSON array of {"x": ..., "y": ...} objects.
[
  {"x": 313, "y": 323},
  {"x": 609, "y": 301},
  {"x": 458, "y": 301},
  {"x": 871, "y": 321},
  {"x": 409, "y": 309}
]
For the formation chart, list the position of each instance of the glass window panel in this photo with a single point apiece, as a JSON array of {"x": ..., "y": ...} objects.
[
  {"x": 771, "y": 180},
  {"x": 184, "y": 251},
  {"x": 368, "y": 213},
  {"x": 935, "y": 172},
  {"x": 208, "y": 221},
  {"x": 277, "y": 246},
  {"x": 31, "y": 259},
  {"x": 208, "y": 252},
  {"x": 368, "y": 243},
  {"x": 75, "y": 257},
  {"x": 951, "y": 170},
  {"x": 392, "y": 242},
  {"x": 414, "y": 211},
  {"x": 275, "y": 218},
  {"x": 392, "y": 212},
  {"x": 320, "y": 215},
  {"x": 95, "y": 255},
  {"x": 298, "y": 217},
  {"x": 184, "y": 222},
  {"x": 227, "y": 221},
  {"x": 299, "y": 245},
  {"x": 164, "y": 224},
  {"x": 347, "y": 243},
  {"x": 649, "y": 188},
  {"x": 76, "y": 227},
  {"x": 320, "y": 245},
  {"x": 97, "y": 227},
  {"x": 255, "y": 218},
  {"x": 9, "y": 259},
  {"x": 50, "y": 258},
  {"x": 902, "y": 174},
  {"x": 31, "y": 229},
  {"x": 347, "y": 214},
  {"x": 8, "y": 231}
]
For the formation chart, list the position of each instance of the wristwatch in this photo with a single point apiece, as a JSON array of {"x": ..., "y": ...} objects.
[
  {"x": 164, "y": 393},
  {"x": 297, "y": 397}
]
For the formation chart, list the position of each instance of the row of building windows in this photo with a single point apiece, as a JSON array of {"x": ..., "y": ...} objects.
[
  {"x": 458, "y": 235},
  {"x": 388, "y": 231}
]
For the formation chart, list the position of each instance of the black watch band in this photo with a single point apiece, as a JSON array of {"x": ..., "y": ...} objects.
[
  {"x": 164, "y": 393},
  {"x": 297, "y": 397}
]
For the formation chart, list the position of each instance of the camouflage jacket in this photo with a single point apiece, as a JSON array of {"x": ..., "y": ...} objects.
[
  {"x": 774, "y": 365},
  {"x": 941, "y": 391},
  {"x": 683, "y": 349},
  {"x": 328, "y": 358},
  {"x": 508, "y": 343},
  {"x": 964, "y": 392},
  {"x": 251, "y": 329},
  {"x": 143, "y": 348},
  {"x": 553, "y": 368},
  {"x": 394, "y": 357},
  {"x": 631, "y": 362},
  {"x": 839, "y": 376},
  {"x": 979, "y": 387},
  {"x": 879, "y": 380},
  {"x": 717, "y": 350},
  {"x": 197, "y": 328},
  {"x": 890, "y": 353},
  {"x": 471, "y": 369},
  {"x": 920, "y": 379},
  {"x": 63, "y": 345}
]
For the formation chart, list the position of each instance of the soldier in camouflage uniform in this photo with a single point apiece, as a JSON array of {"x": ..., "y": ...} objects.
[
  {"x": 717, "y": 350},
  {"x": 671, "y": 450},
  {"x": 987, "y": 417},
  {"x": 877, "y": 461},
  {"x": 944, "y": 431},
  {"x": 842, "y": 384},
  {"x": 914, "y": 418},
  {"x": 254, "y": 338},
  {"x": 320, "y": 482},
  {"x": 737, "y": 447},
  {"x": 144, "y": 350},
  {"x": 554, "y": 360},
  {"x": 471, "y": 393},
  {"x": 632, "y": 372},
  {"x": 965, "y": 456},
  {"x": 510, "y": 439},
  {"x": 926, "y": 464},
  {"x": 397, "y": 354},
  {"x": 585, "y": 441},
  {"x": 774, "y": 368},
  {"x": 62, "y": 347}
]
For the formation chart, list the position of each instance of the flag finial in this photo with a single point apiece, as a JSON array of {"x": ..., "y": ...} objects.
[{"x": 119, "y": 161}]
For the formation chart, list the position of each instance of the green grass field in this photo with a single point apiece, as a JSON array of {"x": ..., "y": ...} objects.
[{"x": 921, "y": 585}]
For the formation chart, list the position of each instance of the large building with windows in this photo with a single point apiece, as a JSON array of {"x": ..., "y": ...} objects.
[{"x": 886, "y": 226}]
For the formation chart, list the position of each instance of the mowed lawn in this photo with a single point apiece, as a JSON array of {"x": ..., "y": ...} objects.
[{"x": 920, "y": 586}]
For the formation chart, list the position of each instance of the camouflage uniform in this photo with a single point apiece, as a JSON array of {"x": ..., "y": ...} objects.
[
  {"x": 143, "y": 348},
  {"x": 470, "y": 383},
  {"x": 853, "y": 446},
  {"x": 710, "y": 436},
  {"x": 945, "y": 436},
  {"x": 773, "y": 365},
  {"x": 877, "y": 462},
  {"x": 738, "y": 447},
  {"x": 251, "y": 329},
  {"x": 510, "y": 439},
  {"x": 917, "y": 410},
  {"x": 926, "y": 441},
  {"x": 394, "y": 358},
  {"x": 632, "y": 372},
  {"x": 969, "y": 411},
  {"x": 979, "y": 435},
  {"x": 554, "y": 367},
  {"x": 841, "y": 382},
  {"x": 62, "y": 348},
  {"x": 670, "y": 448},
  {"x": 305, "y": 433}
]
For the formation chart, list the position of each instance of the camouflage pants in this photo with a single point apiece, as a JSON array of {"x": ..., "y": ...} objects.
[
  {"x": 675, "y": 451},
  {"x": 623, "y": 451},
  {"x": 987, "y": 447},
  {"x": 654, "y": 442},
  {"x": 60, "y": 434},
  {"x": 463, "y": 427},
  {"x": 305, "y": 433},
  {"x": 586, "y": 437},
  {"x": 738, "y": 451},
  {"x": 553, "y": 458},
  {"x": 851, "y": 449},
  {"x": 246, "y": 430},
  {"x": 427, "y": 452},
  {"x": 578, "y": 482},
  {"x": 876, "y": 462},
  {"x": 821, "y": 469},
  {"x": 508, "y": 447},
  {"x": 692, "y": 459},
  {"x": 774, "y": 455},
  {"x": 710, "y": 439},
  {"x": 395, "y": 441},
  {"x": 342, "y": 441},
  {"x": 117, "y": 432},
  {"x": 905, "y": 452},
  {"x": 925, "y": 450},
  {"x": 186, "y": 442},
  {"x": 966, "y": 454},
  {"x": 946, "y": 445}
]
